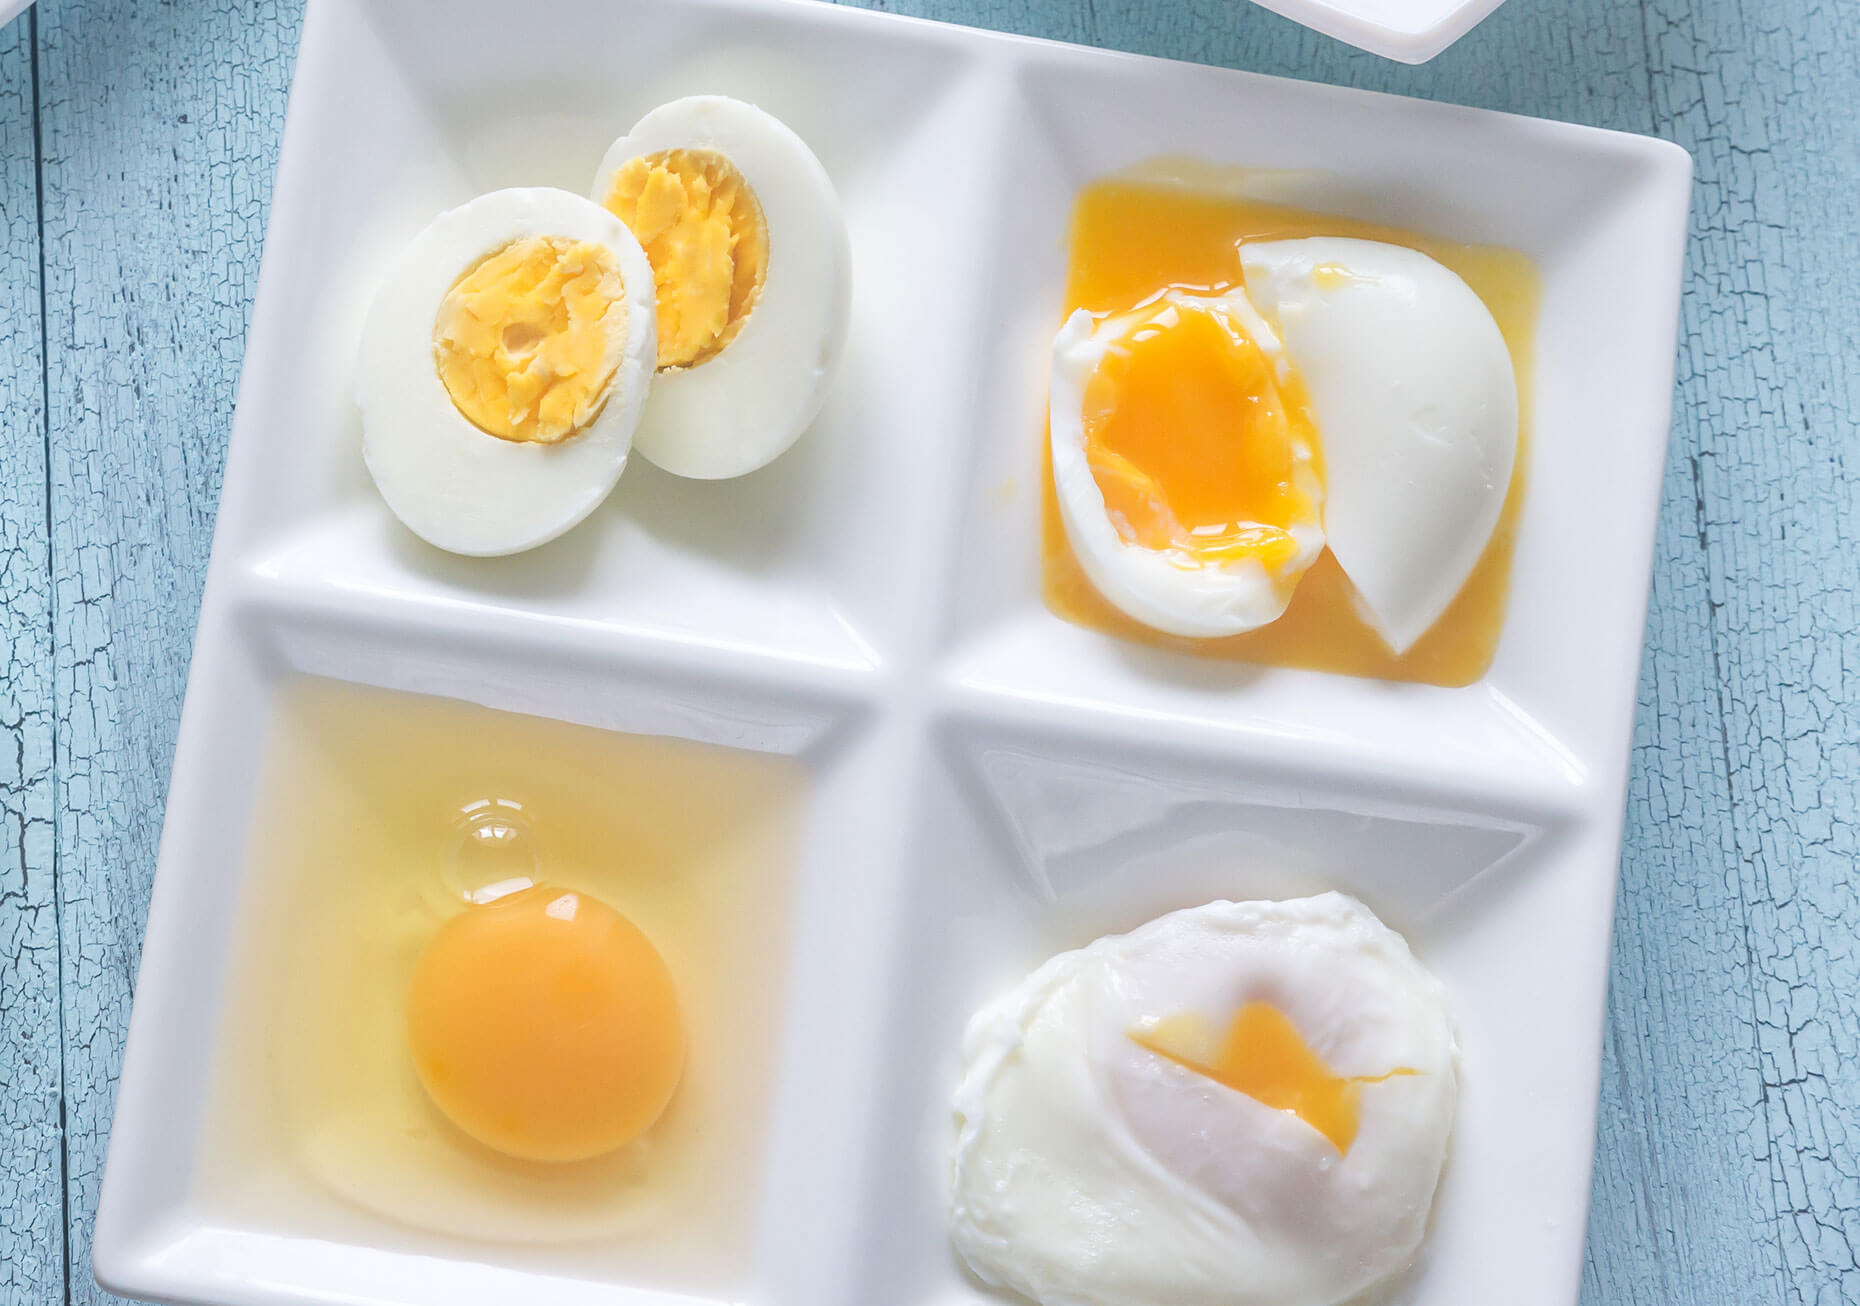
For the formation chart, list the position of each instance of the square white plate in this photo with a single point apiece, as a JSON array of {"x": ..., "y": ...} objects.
[{"x": 991, "y": 784}]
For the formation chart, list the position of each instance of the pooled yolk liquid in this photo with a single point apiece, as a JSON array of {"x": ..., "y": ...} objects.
[
  {"x": 704, "y": 234},
  {"x": 1192, "y": 444},
  {"x": 526, "y": 342},
  {"x": 546, "y": 1026},
  {"x": 1132, "y": 239},
  {"x": 1263, "y": 1055}
]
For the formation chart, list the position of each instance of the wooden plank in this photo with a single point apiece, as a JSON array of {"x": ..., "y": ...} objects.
[
  {"x": 31, "y": 1175},
  {"x": 1764, "y": 95},
  {"x": 160, "y": 128},
  {"x": 1677, "y": 1216}
]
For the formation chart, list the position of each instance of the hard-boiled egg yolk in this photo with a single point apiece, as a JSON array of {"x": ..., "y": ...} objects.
[
  {"x": 1263, "y": 1055},
  {"x": 704, "y": 234},
  {"x": 546, "y": 1026},
  {"x": 1194, "y": 444},
  {"x": 527, "y": 341}
]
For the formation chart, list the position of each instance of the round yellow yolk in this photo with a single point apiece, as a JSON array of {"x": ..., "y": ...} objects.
[
  {"x": 527, "y": 341},
  {"x": 1195, "y": 443},
  {"x": 545, "y": 1025},
  {"x": 703, "y": 232},
  {"x": 1263, "y": 1055}
]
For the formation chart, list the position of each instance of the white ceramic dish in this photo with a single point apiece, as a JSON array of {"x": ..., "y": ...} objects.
[
  {"x": 991, "y": 783},
  {"x": 1412, "y": 31}
]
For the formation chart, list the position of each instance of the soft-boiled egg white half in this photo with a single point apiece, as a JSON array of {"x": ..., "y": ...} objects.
[
  {"x": 1242, "y": 1104},
  {"x": 1350, "y": 392},
  {"x": 503, "y": 369},
  {"x": 746, "y": 239}
]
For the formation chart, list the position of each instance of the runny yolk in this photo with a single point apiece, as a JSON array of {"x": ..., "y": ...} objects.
[
  {"x": 1263, "y": 1055},
  {"x": 527, "y": 341},
  {"x": 1194, "y": 445},
  {"x": 546, "y": 1026},
  {"x": 1132, "y": 239},
  {"x": 704, "y": 234}
]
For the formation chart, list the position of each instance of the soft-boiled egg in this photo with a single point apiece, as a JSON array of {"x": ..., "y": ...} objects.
[
  {"x": 746, "y": 240},
  {"x": 1242, "y": 1104},
  {"x": 1417, "y": 411},
  {"x": 503, "y": 369},
  {"x": 1351, "y": 392},
  {"x": 545, "y": 1025},
  {"x": 1185, "y": 471}
]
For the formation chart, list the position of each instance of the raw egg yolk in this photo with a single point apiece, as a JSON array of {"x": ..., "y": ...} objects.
[
  {"x": 527, "y": 341},
  {"x": 703, "y": 232},
  {"x": 1195, "y": 443},
  {"x": 1263, "y": 1055},
  {"x": 545, "y": 1025}
]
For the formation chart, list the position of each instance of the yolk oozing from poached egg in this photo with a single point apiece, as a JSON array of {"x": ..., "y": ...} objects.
[
  {"x": 703, "y": 232},
  {"x": 545, "y": 1025},
  {"x": 1131, "y": 239},
  {"x": 527, "y": 341},
  {"x": 1263, "y": 1055},
  {"x": 1193, "y": 444}
]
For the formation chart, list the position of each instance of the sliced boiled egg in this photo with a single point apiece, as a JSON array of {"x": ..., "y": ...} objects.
[
  {"x": 1416, "y": 406},
  {"x": 503, "y": 369},
  {"x": 749, "y": 251},
  {"x": 1185, "y": 465}
]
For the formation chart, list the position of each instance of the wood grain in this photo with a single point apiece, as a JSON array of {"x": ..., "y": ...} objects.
[
  {"x": 159, "y": 126},
  {"x": 32, "y": 1216},
  {"x": 1726, "y": 1169},
  {"x": 1769, "y": 395}
]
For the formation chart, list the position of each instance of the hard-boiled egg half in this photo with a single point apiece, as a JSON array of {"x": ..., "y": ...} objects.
[
  {"x": 1242, "y": 1104},
  {"x": 503, "y": 369},
  {"x": 749, "y": 250},
  {"x": 1350, "y": 392}
]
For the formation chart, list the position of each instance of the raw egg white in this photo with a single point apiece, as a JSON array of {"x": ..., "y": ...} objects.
[
  {"x": 1185, "y": 477},
  {"x": 503, "y": 369},
  {"x": 1243, "y": 1104},
  {"x": 1417, "y": 409},
  {"x": 750, "y": 252}
]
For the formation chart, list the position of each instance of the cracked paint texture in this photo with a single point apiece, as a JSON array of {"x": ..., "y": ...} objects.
[
  {"x": 1725, "y": 1169},
  {"x": 159, "y": 131},
  {"x": 31, "y": 1184}
]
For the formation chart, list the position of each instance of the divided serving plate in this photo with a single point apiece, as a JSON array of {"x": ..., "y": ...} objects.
[{"x": 990, "y": 784}]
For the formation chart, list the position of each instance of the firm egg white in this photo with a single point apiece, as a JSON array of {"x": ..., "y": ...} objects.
[
  {"x": 742, "y": 409},
  {"x": 452, "y": 484},
  {"x": 1089, "y": 1171},
  {"x": 1165, "y": 591},
  {"x": 1416, "y": 404}
]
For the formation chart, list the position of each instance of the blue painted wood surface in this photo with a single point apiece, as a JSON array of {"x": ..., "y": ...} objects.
[{"x": 137, "y": 142}]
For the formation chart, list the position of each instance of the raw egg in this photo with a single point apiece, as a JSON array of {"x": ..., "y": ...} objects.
[{"x": 546, "y": 1026}]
